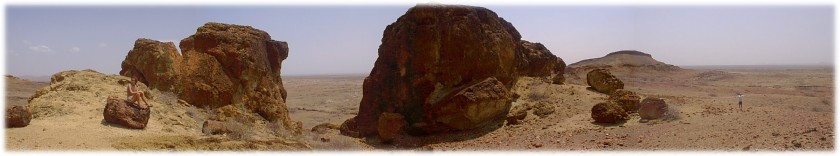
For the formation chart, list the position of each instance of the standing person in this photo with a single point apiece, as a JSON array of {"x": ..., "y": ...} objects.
[
  {"x": 740, "y": 102},
  {"x": 135, "y": 95}
]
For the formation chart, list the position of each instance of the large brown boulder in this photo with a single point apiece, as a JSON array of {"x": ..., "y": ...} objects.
[
  {"x": 349, "y": 128},
  {"x": 476, "y": 105},
  {"x": 222, "y": 64},
  {"x": 18, "y": 116},
  {"x": 432, "y": 53},
  {"x": 390, "y": 124},
  {"x": 602, "y": 81},
  {"x": 123, "y": 112},
  {"x": 652, "y": 108},
  {"x": 559, "y": 70},
  {"x": 152, "y": 62},
  {"x": 608, "y": 112},
  {"x": 628, "y": 100},
  {"x": 534, "y": 60}
]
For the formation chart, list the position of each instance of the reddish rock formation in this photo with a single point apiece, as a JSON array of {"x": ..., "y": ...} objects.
[
  {"x": 349, "y": 128},
  {"x": 18, "y": 116},
  {"x": 652, "y": 108},
  {"x": 152, "y": 62},
  {"x": 602, "y": 81},
  {"x": 214, "y": 127},
  {"x": 534, "y": 60},
  {"x": 390, "y": 124},
  {"x": 628, "y": 100},
  {"x": 431, "y": 62},
  {"x": 608, "y": 112},
  {"x": 122, "y": 112},
  {"x": 222, "y": 64}
]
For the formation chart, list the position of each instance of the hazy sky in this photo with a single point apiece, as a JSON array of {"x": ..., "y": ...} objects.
[{"x": 43, "y": 40}]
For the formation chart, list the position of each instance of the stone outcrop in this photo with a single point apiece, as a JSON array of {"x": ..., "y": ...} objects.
[
  {"x": 534, "y": 60},
  {"x": 222, "y": 64},
  {"x": 628, "y": 100},
  {"x": 18, "y": 116},
  {"x": 152, "y": 62},
  {"x": 543, "y": 109},
  {"x": 443, "y": 68},
  {"x": 609, "y": 112},
  {"x": 390, "y": 124},
  {"x": 602, "y": 81},
  {"x": 129, "y": 114},
  {"x": 349, "y": 128},
  {"x": 517, "y": 113},
  {"x": 652, "y": 108}
]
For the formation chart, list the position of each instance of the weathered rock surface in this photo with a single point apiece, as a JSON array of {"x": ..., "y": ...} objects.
[
  {"x": 323, "y": 128},
  {"x": 543, "y": 109},
  {"x": 122, "y": 112},
  {"x": 390, "y": 124},
  {"x": 152, "y": 62},
  {"x": 534, "y": 60},
  {"x": 608, "y": 112},
  {"x": 517, "y": 113},
  {"x": 602, "y": 81},
  {"x": 222, "y": 64},
  {"x": 628, "y": 100},
  {"x": 18, "y": 116},
  {"x": 652, "y": 108},
  {"x": 471, "y": 107},
  {"x": 214, "y": 127},
  {"x": 443, "y": 68},
  {"x": 349, "y": 128}
]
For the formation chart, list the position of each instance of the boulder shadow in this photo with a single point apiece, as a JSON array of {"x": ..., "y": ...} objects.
[
  {"x": 405, "y": 141},
  {"x": 614, "y": 124},
  {"x": 106, "y": 123}
]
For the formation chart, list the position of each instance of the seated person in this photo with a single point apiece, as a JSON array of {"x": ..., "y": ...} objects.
[{"x": 135, "y": 95}]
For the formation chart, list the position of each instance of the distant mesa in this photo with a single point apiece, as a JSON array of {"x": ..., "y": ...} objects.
[
  {"x": 447, "y": 68},
  {"x": 624, "y": 58},
  {"x": 224, "y": 66},
  {"x": 630, "y": 52}
]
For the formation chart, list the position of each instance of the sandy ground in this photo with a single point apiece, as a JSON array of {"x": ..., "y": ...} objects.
[
  {"x": 784, "y": 109},
  {"x": 68, "y": 119}
]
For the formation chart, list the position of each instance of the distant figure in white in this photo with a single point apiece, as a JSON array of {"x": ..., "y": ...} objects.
[
  {"x": 740, "y": 102},
  {"x": 135, "y": 95}
]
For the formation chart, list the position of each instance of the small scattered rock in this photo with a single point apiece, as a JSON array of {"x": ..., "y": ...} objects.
[
  {"x": 214, "y": 127},
  {"x": 18, "y": 116}
]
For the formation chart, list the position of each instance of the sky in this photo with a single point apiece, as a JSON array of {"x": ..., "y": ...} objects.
[{"x": 42, "y": 40}]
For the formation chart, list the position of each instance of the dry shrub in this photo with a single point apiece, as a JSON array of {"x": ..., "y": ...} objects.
[
  {"x": 538, "y": 94},
  {"x": 239, "y": 130},
  {"x": 826, "y": 102},
  {"x": 195, "y": 113},
  {"x": 673, "y": 113},
  {"x": 166, "y": 97}
]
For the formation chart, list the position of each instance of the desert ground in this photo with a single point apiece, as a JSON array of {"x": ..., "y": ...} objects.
[{"x": 786, "y": 108}]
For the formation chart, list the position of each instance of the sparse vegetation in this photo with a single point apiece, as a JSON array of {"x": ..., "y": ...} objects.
[
  {"x": 239, "y": 130},
  {"x": 538, "y": 94},
  {"x": 166, "y": 97},
  {"x": 673, "y": 113},
  {"x": 826, "y": 102}
]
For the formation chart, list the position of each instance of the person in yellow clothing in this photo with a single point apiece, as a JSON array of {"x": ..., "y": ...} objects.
[{"x": 135, "y": 95}]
